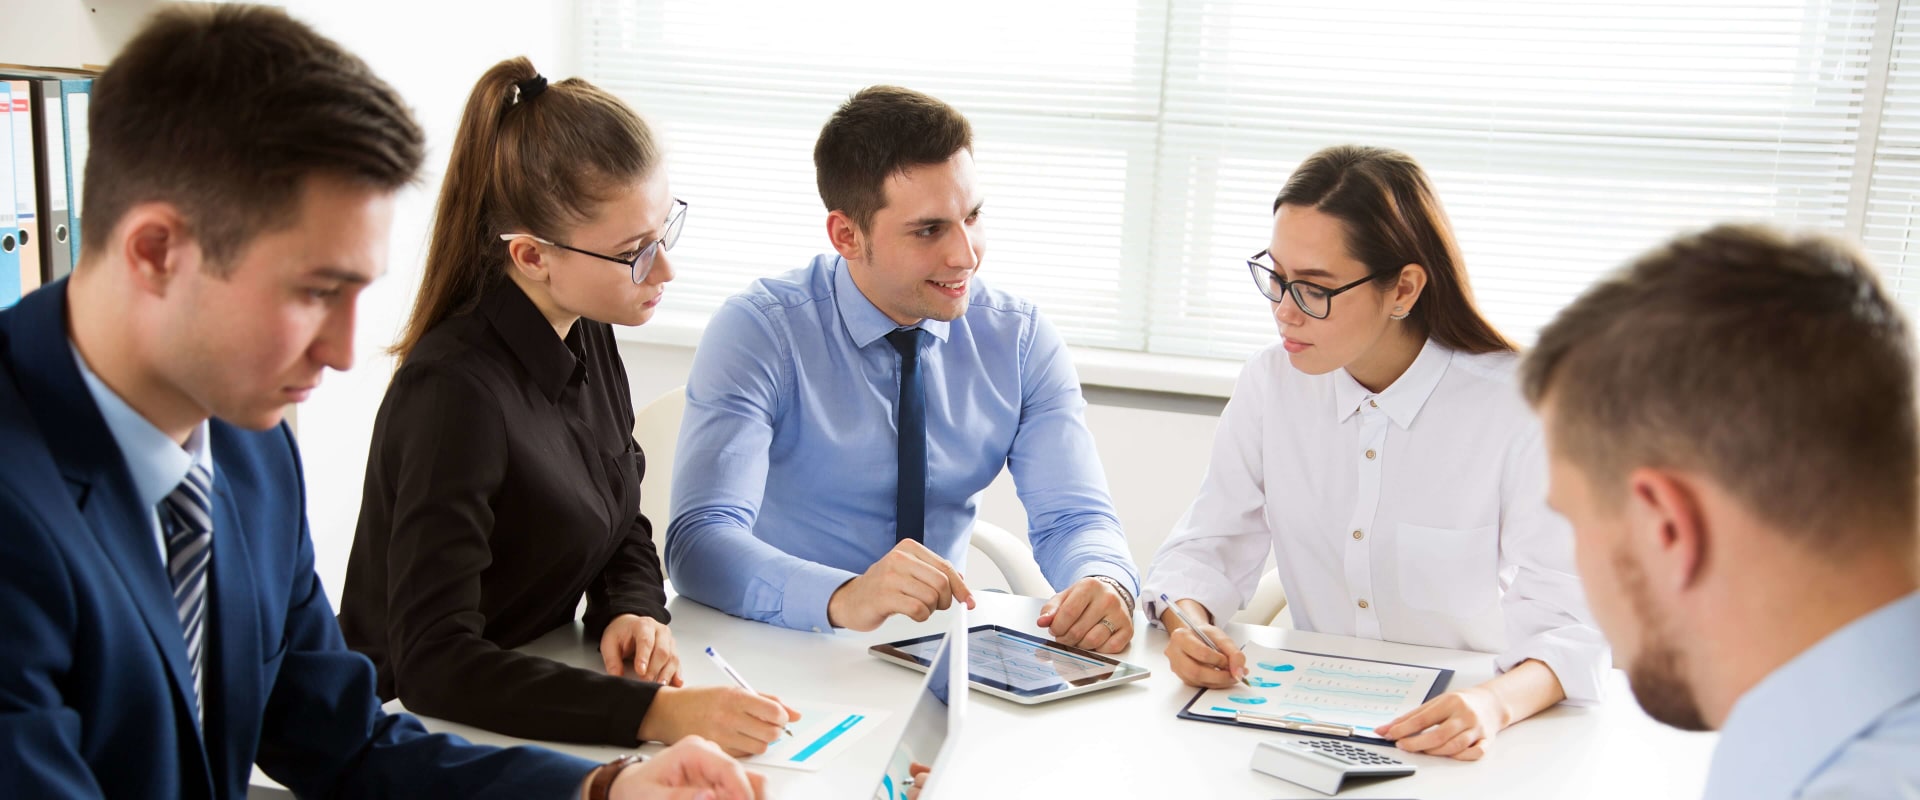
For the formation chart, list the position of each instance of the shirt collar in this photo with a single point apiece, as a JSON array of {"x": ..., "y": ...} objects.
[
  {"x": 553, "y": 363},
  {"x": 156, "y": 463},
  {"x": 1403, "y": 398},
  {"x": 864, "y": 321},
  {"x": 1785, "y": 729}
]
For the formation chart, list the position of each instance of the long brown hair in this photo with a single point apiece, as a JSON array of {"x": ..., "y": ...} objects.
[
  {"x": 1393, "y": 218},
  {"x": 528, "y": 157}
]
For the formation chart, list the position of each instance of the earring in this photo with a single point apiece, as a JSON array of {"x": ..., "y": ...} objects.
[{"x": 1399, "y": 312}]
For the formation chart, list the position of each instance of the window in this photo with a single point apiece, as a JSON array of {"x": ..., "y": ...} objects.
[
  {"x": 1887, "y": 223},
  {"x": 1131, "y": 150}
]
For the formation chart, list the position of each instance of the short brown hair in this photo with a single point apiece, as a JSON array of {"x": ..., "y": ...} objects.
[
  {"x": 1776, "y": 365},
  {"x": 534, "y": 160},
  {"x": 1392, "y": 218},
  {"x": 880, "y": 131},
  {"x": 224, "y": 111}
]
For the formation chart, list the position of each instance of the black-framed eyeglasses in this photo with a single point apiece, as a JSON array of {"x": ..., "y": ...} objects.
[
  {"x": 639, "y": 263},
  {"x": 1313, "y": 299}
]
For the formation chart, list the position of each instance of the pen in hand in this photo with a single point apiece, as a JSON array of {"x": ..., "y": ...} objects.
[
  {"x": 1184, "y": 620},
  {"x": 739, "y": 681}
]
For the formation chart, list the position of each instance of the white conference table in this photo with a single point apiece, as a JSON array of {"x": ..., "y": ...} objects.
[{"x": 1126, "y": 742}]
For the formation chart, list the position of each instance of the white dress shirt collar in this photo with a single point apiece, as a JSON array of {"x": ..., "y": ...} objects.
[{"x": 1403, "y": 398}]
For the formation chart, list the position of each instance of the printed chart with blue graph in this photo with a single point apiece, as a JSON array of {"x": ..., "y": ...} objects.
[{"x": 1313, "y": 688}]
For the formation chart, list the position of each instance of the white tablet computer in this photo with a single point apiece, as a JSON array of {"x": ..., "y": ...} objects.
[
  {"x": 933, "y": 727},
  {"x": 1019, "y": 666}
]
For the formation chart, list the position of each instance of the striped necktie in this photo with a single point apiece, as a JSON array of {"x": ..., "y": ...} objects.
[{"x": 188, "y": 520}]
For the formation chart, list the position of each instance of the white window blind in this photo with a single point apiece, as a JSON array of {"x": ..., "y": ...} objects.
[
  {"x": 1064, "y": 136},
  {"x": 1131, "y": 150},
  {"x": 1563, "y": 137},
  {"x": 1893, "y": 204}
]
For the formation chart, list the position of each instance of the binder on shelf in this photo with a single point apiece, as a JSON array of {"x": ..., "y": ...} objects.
[
  {"x": 10, "y": 285},
  {"x": 26, "y": 196},
  {"x": 50, "y": 169},
  {"x": 50, "y": 177},
  {"x": 76, "y": 95}
]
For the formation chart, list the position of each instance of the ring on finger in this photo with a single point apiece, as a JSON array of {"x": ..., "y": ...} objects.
[{"x": 1111, "y": 628}]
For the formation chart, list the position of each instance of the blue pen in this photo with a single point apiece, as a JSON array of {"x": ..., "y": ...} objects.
[
  {"x": 1184, "y": 620},
  {"x": 728, "y": 668}
]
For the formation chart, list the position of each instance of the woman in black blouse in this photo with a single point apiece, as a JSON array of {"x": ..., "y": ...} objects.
[{"x": 503, "y": 482}]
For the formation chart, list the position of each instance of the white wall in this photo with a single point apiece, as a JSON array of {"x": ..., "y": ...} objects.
[
  {"x": 431, "y": 52},
  {"x": 68, "y": 33},
  {"x": 1154, "y": 459}
]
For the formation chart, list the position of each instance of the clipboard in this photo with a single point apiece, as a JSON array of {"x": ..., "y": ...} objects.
[{"x": 1251, "y": 718}]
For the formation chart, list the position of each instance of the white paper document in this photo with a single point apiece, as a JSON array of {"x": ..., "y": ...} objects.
[
  {"x": 823, "y": 731},
  {"x": 1303, "y": 687}
]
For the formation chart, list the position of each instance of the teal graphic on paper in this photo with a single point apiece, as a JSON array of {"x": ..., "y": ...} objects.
[{"x": 828, "y": 737}]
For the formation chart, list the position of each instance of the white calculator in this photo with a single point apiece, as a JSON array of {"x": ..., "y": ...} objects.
[{"x": 1323, "y": 764}]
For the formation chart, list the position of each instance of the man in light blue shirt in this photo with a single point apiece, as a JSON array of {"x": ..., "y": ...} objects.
[
  {"x": 842, "y": 419},
  {"x": 1841, "y": 720},
  {"x": 1733, "y": 434}
]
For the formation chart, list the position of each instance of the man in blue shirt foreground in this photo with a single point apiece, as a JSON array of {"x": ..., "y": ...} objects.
[
  {"x": 842, "y": 419},
  {"x": 1732, "y": 429}
]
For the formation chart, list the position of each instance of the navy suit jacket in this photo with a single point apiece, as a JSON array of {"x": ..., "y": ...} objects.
[{"x": 94, "y": 676}]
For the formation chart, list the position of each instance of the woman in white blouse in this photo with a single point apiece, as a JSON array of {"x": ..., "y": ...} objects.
[{"x": 1383, "y": 453}]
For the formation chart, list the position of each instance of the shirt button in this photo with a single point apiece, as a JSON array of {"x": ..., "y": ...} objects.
[
  {"x": 1370, "y": 455},
  {"x": 1371, "y": 404},
  {"x": 1357, "y": 536},
  {"x": 1363, "y": 604},
  {"x": 816, "y": 629}
]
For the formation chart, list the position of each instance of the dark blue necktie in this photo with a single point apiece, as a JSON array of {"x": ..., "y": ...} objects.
[{"x": 910, "y": 495}]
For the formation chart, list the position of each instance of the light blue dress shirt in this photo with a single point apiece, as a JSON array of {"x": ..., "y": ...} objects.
[
  {"x": 157, "y": 463},
  {"x": 783, "y": 486},
  {"x": 1841, "y": 720}
]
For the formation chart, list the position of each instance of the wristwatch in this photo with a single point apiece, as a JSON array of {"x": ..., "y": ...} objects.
[
  {"x": 1125, "y": 596},
  {"x": 601, "y": 782}
]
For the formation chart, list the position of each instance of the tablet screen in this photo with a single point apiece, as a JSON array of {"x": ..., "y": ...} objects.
[{"x": 1017, "y": 662}]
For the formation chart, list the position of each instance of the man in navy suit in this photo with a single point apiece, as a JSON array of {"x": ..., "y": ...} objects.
[{"x": 161, "y": 627}]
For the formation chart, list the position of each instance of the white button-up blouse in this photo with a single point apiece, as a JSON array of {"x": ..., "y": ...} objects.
[{"x": 1417, "y": 514}]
